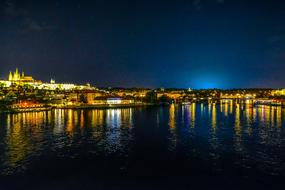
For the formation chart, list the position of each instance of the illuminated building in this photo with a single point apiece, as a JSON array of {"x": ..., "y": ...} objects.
[
  {"x": 16, "y": 77},
  {"x": 118, "y": 101},
  {"x": 280, "y": 92},
  {"x": 21, "y": 79},
  {"x": 63, "y": 86},
  {"x": 114, "y": 101},
  {"x": 237, "y": 96},
  {"x": 56, "y": 86},
  {"x": 171, "y": 94},
  {"x": 5, "y": 83}
]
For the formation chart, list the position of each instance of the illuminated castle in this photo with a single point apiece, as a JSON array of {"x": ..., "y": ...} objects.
[
  {"x": 20, "y": 79},
  {"x": 17, "y": 77}
]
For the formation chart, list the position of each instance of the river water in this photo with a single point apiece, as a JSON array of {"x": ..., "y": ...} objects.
[{"x": 211, "y": 146}]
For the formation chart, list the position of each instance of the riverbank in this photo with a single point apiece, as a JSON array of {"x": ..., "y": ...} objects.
[
  {"x": 103, "y": 106},
  {"x": 51, "y": 107},
  {"x": 110, "y": 106},
  {"x": 21, "y": 110}
]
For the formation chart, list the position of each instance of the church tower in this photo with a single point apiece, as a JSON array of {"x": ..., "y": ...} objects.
[
  {"x": 10, "y": 76},
  {"x": 16, "y": 74}
]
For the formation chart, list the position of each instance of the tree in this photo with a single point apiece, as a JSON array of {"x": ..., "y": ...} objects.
[
  {"x": 151, "y": 97},
  {"x": 165, "y": 99},
  {"x": 2, "y": 85}
]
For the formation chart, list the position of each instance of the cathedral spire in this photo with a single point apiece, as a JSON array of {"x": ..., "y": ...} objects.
[
  {"x": 10, "y": 76},
  {"x": 16, "y": 74}
]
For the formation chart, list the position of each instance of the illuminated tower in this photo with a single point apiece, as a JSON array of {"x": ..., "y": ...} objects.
[
  {"x": 18, "y": 74},
  {"x": 10, "y": 76}
]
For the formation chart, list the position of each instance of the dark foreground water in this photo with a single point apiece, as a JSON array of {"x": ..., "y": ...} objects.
[{"x": 198, "y": 146}]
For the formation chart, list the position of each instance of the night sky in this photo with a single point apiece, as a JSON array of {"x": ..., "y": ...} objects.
[{"x": 147, "y": 43}]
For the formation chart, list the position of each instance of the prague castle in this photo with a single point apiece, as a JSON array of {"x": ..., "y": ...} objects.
[{"x": 20, "y": 78}]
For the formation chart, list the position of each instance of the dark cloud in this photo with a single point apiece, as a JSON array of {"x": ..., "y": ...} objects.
[
  {"x": 26, "y": 23},
  {"x": 277, "y": 38},
  {"x": 220, "y": 1},
  {"x": 10, "y": 10},
  {"x": 197, "y": 4},
  {"x": 31, "y": 25}
]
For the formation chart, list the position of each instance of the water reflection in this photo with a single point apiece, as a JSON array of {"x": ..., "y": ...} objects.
[
  {"x": 214, "y": 116},
  {"x": 70, "y": 122},
  {"x": 204, "y": 130},
  {"x": 21, "y": 142},
  {"x": 172, "y": 116},
  {"x": 226, "y": 108},
  {"x": 238, "y": 129},
  {"x": 57, "y": 123},
  {"x": 278, "y": 117},
  {"x": 172, "y": 126},
  {"x": 213, "y": 138},
  {"x": 27, "y": 134},
  {"x": 245, "y": 119},
  {"x": 193, "y": 114},
  {"x": 118, "y": 133},
  {"x": 97, "y": 118}
]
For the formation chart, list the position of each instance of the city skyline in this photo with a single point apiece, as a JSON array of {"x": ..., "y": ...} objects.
[
  {"x": 196, "y": 44},
  {"x": 19, "y": 76}
]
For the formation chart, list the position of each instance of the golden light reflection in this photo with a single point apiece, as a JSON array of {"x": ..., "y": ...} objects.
[
  {"x": 127, "y": 117},
  {"x": 23, "y": 130},
  {"x": 226, "y": 108},
  {"x": 193, "y": 116},
  {"x": 18, "y": 145},
  {"x": 267, "y": 113},
  {"x": 9, "y": 122},
  {"x": 214, "y": 117},
  {"x": 279, "y": 117},
  {"x": 263, "y": 112},
  {"x": 97, "y": 118},
  {"x": 172, "y": 126},
  {"x": 82, "y": 119},
  {"x": 248, "y": 113},
  {"x": 238, "y": 132},
  {"x": 272, "y": 115},
  {"x": 171, "y": 116},
  {"x": 70, "y": 126},
  {"x": 221, "y": 106},
  {"x": 231, "y": 106},
  {"x": 237, "y": 120},
  {"x": 282, "y": 115}
]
